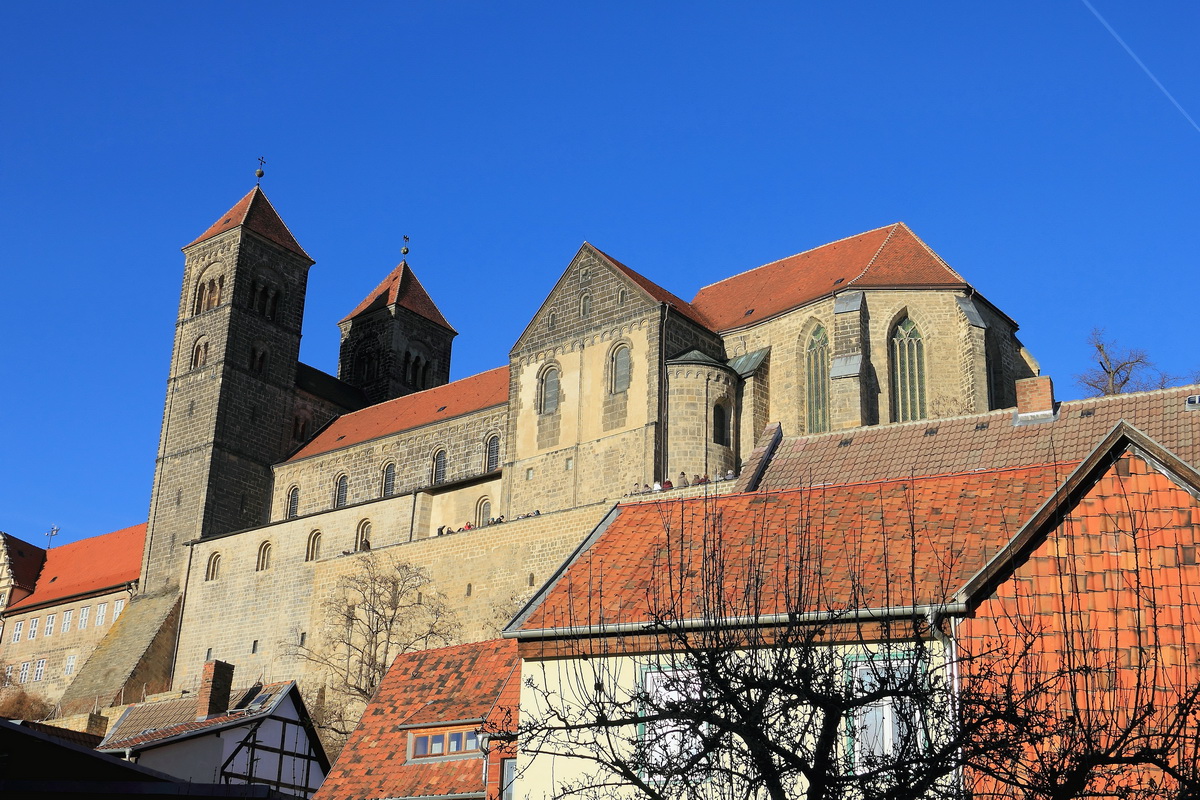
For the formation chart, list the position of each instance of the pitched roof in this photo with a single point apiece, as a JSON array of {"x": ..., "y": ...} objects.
[
  {"x": 464, "y": 683},
  {"x": 477, "y": 392},
  {"x": 255, "y": 213},
  {"x": 982, "y": 441},
  {"x": 155, "y": 722},
  {"x": 24, "y": 559},
  {"x": 876, "y": 545},
  {"x": 891, "y": 256},
  {"x": 88, "y": 566},
  {"x": 401, "y": 288},
  {"x": 654, "y": 290}
]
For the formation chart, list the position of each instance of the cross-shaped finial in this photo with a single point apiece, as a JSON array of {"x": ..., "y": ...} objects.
[
  {"x": 258, "y": 173},
  {"x": 404, "y": 249}
]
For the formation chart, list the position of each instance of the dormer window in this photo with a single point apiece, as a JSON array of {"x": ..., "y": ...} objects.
[{"x": 445, "y": 743}]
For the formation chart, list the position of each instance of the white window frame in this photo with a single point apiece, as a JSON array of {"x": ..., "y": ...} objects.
[
  {"x": 18, "y": 629},
  {"x": 50, "y": 620},
  {"x": 118, "y": 607},
  {"x": 84, "y": 613},
  {"x": 875, "y": 732},
  {"x": 101, "y": 614},
  {"x": 69, "y": 666},
  {"x": 33, "y": 629},
  {"x": 39, "y": 670},
  {"x": 66, "y": 620},
  {"x": 24, "y": 672}
]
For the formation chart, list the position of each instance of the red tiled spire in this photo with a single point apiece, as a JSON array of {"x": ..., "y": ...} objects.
[
  {"x": 401, "y": 288},
  {"x": 255, "y": 213}
]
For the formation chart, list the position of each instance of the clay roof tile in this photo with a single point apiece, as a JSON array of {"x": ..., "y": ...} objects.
[{"x": 255, "y": 213}]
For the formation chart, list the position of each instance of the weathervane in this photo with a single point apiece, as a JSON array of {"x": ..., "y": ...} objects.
[
  {"x": 50, "y": 534},
  {"x": 258, "y": 173},
  {"x": 404, "y": 249}
]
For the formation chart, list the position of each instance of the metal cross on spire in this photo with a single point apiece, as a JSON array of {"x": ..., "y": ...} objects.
[{"x": 258, "y": 173}]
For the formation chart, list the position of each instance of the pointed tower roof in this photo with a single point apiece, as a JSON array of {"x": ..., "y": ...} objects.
[
  {"x": 255, "y": 213},
  {"x": 401, "y": 288},
  {"x": 889, "y": 257}
]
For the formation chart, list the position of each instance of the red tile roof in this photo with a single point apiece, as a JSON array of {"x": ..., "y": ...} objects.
[
  {"x": 654, "y": 290},
  {"x": 24, "y": 559},
  {"x": 401, "y": 288},
  {"x": 255, "y": 212},
  {"x": 891, "y": 256},
  {"x": 867, "y": 545},
  {"x": 480, "y": 681},
  {"x": 89, "y": 566},
  {"x": 477, "y": 392}
]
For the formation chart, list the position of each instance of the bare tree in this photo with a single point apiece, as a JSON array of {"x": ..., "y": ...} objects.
[
  {"x": 379, "y": 610},
  {"x": 1118, "y": 369},
  {"x": 758, "y": 676}
]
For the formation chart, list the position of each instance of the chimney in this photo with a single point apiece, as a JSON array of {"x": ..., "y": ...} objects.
[
  {"x": 216, "y": 684},
  {"x": 1035, "y": 401}
]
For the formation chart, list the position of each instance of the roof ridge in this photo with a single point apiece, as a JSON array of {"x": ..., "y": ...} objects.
[
  {"x": 875, "y": 257},
  {"x": 793, "y": 255}
]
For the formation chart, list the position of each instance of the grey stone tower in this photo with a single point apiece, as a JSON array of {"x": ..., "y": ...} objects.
[
  {"x": 232, "y": 383},
  {"x": 396, "y": 341}
]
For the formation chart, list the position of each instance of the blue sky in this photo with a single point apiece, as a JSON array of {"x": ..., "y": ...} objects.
[{"x": 690, "y": 140}]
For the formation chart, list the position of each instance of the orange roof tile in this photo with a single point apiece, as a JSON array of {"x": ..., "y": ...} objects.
[
  {"x": 255, "y": 212},
  {"x": 873, "y": 545},
  {"x": 401, "y": 288},
  {"x": 479, "y": 681},
  {"x": 885, "y": 257},
  {"x": 654, "y": 290},
  {"x": 477, "y": 392},
  {"x": 88, "y": 566}
]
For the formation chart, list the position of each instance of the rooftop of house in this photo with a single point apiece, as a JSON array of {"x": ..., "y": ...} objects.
[
  {"x": 401, "y": 288},
  {"x": 888, "y": 257},
  {"x": 654, "y": 290},
  {"x": 156, "y": 722},
  {"x": 88, "y": 566},
  {"x": 485, "y": 390},
  {"x": 255, "y": 213},
  {"x": 464, "y": 684}
]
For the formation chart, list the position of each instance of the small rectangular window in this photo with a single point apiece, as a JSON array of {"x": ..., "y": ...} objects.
[
  {"x": 101, "y": 613},
  {"x": 508, "y": 777},
  {"x": 39, "y": 670},
  {"x": 33, "y": 628},
  {"x": 50, "y": 624},
  {"x": 570, "y": 463},
  {"x": 24, "y": 672},
  {"x": 254, "y": 646},
  {"x": 529, "y": 474},
  {"x": 69, "y": 667},
  {"x": 18, "y": 629},
  {"x": 83, "y": 616},
  {"x": 66, "y": 623},
  {"x": 421, "y": 746},
  {"x": 118, "y": 607},
  {"x": 8, "y": 668}
]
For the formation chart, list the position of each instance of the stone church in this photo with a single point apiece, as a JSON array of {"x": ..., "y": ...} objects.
[{"x": 273, "y": 479}]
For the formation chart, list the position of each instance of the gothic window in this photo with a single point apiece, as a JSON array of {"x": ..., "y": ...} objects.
[
  {"x": 213, "y": 571},
  {"x": 483, "y": 512},
  {"x": 439, "y": 467},
  {"x": 585, "y": 305},
  {"x": 720, "y": 425},
  {"x": 548, "y": 393},
  {"x": 492, "y": 454},
  {"x": 340, "y": 491},
  {"x": 362, "y": 539},
  {"x": 389, "y": 480},
  {"x": 200, "y": 354},
  {"x": 293, "y": 502},
  {"x": 264, "y": 557},
  {"x": 817, "y": 381},
  {"x": 908, "y": 372},
  {"x": 621, "y": 367},
  {"x": 313, "y": 551}
]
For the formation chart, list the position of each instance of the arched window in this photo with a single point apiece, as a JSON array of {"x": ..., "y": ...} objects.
[
  {"x": 720, "y": 425},
  {"x": 293, "y": 502},
  {"x": 212, "y": 572},
  {"x": 208, "y": 294},
  {"x": 585, "y": 305},
  {"x": 483, "y": 512},
  {"x": 264, "y": 557},
  {"x": 817, "y": 380},
  {"x": 491, "y": 459},
  {"x": 908, "y": 372},
  {"x": 621, "y": 366},
  {"x": 258, "y": 360},
  {"x": 551, "y": 320},
  {"x": 362, "y": 538},
  {"x": 340, "y": 491},
  {"x": 622, "y": 295},
  {"x": 299, "y": 429},
  {"x": 389, "y": 480},
  {"x": 439, "y": 467},
  {"x": 313, "y": 551},
  {"x": 200, "y": 354},
  {"x": 548, "y": 393}
]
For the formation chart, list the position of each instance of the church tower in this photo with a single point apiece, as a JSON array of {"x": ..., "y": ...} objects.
[
  {"x": 231, "y": 388},
  {"x": 396, "y": 341}
]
